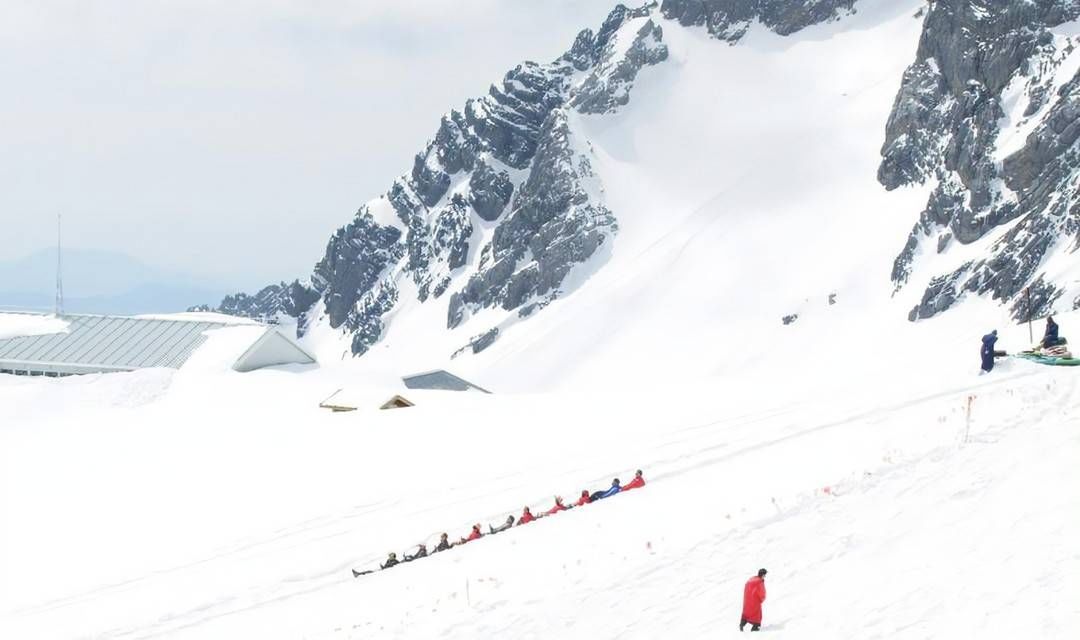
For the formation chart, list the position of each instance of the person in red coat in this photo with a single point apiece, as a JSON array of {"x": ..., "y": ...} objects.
[
  {"x": 526, "y": 517},
  {"x": 584, "y": 499},
  {"x": 475, "y": 534},
  {"x": 753, "y": 596},
  {"x": 636, "y": 483},
  {"x": 559, "y": 506}
]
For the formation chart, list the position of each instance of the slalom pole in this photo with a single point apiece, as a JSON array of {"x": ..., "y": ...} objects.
[{"x": 1031, "y": 336}]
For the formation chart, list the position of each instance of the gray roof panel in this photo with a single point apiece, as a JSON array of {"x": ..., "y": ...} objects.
[
  {"x": 171, "y": 340},
  {"x": 160, "y": 341},
  {"x": 111, "y": 343},
  {"x": 70, "y": 346},
  {"x": 134, "y": 340}
]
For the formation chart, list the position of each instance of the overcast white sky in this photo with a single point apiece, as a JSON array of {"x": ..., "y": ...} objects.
[{"x": 229, "y": 139}]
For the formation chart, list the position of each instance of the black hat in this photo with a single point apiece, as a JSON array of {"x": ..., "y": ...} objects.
[{"x": 761, "y": 573}]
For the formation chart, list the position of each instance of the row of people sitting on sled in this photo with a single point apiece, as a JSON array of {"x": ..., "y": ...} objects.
[{"x": 526, "y": 517}]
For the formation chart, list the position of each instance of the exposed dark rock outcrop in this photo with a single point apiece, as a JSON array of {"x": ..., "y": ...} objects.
[
  {"x": 729, "y": 19},
  {"x": 945, "y": 128}
]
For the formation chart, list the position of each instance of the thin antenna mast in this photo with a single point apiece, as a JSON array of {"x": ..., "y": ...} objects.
[{"x": 59, "y": 306}]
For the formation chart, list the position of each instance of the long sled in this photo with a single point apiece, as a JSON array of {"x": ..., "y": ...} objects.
[{"x": 1050, "y": 360}]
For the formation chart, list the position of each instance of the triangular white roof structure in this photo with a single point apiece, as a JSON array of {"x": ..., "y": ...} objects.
[{"x": 273, "y": 348}]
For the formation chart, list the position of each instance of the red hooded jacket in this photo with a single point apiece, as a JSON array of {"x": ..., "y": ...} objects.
[
  {"x": 583, "y": 500},
  {"x": 557, "y": 508},
  {"x": 636, "y": 483},
  {"x": 475, "y": 535},
  {"x": 526, "y": 517},
  {"x": 753, "y": 596}
]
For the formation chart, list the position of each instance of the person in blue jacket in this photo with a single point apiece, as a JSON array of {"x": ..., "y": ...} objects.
[
  {"x": 615, "y": 488},
  {"x": 987, "y": 351},
  {"x": 1050, "y": 338}
]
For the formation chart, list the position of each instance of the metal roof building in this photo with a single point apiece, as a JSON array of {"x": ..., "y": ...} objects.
[
  {"x": 103, "y": 344},
  {"x": 441, "y": 381}
]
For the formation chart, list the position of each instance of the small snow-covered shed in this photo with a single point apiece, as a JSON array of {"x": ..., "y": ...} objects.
[
  {"x": 344, "y": 400},
  {"x": 42, "y": 345}
]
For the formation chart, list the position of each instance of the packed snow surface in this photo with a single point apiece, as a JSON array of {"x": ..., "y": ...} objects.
[
  {"x": 14, "y": 325},
  {"x": 890, "y": 489},
  {"x": 898, "y": 495}
]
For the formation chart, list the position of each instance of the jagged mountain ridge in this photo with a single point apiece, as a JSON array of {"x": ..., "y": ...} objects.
[
  {"x": 499, "y": 193},
  {"x": 502, "y": 205}
]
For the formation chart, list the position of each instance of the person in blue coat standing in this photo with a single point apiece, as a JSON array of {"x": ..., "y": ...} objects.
[{"x": 987, "y": 352}]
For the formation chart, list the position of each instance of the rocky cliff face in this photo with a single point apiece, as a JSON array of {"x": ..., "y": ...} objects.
[
  {"x": 497, "y": 209},
  {"x": 729, "y": 19},
  {"x": 988, "y": 72}
]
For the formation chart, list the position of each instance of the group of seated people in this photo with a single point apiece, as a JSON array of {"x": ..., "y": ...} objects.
[{"x": 526, "y": 517}]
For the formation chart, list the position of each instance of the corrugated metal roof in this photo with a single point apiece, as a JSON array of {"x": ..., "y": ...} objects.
[
  {"x": 440, "y": 380},
  {"x": 104, "y": 343}
]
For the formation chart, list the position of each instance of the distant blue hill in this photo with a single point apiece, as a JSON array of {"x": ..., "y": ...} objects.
[{"x": 100, "y": 282}]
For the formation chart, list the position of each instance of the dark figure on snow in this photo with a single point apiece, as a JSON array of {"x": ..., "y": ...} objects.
[
  {"x": 584, "y": 499},
  {"x": 753, "y": 596},
  {"x": 987, "y": 351},
  {"x": 421, "y": 552},
  {"x": 391, "y": 561},
  {"x": 600, "y": 495},
  {"x": 636, "y": 483},
  {"x": 526, "y": 517},
  {"x": 503, "y": 527},
  {"x": 443, "y": 545},
  {"x": 1050, "y": 338}
]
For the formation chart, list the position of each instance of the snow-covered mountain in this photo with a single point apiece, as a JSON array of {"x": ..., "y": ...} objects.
[{"x": 508, "y": 207}]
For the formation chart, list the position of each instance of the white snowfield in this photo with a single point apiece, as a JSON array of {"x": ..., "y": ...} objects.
[
  {"x": 890, "y": 489},
  {"x": 29, "y": 324},
  {"x": 154, "y": 504}
]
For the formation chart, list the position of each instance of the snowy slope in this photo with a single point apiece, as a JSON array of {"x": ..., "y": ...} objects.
[
  {"x": 225, "y": 505},
  {"x": 29, "y": 324},
  {"x": 838, "y": 451}
]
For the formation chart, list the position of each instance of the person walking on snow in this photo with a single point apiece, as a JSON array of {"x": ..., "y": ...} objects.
[
  {"x": 987, "y": 351},
  {"x": 559, "y": 506},
  {"x": 526, "y": 517},
  {"x": 753, "y": 596},
  {"x": 584, "y": 499},
  {"x": 1050, "y": 338},
  {"x": 506, "y": 525},
  {"x": 636, "y": 483}
]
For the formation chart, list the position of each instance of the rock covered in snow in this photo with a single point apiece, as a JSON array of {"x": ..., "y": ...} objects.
[
  {"x": 508, "y": 158},
  {"x": 946, "y": 127},
  {"x": 269, "y": 304},
  {"x": 730, "y": 19},
  {"x": 554, "y": 225}
]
